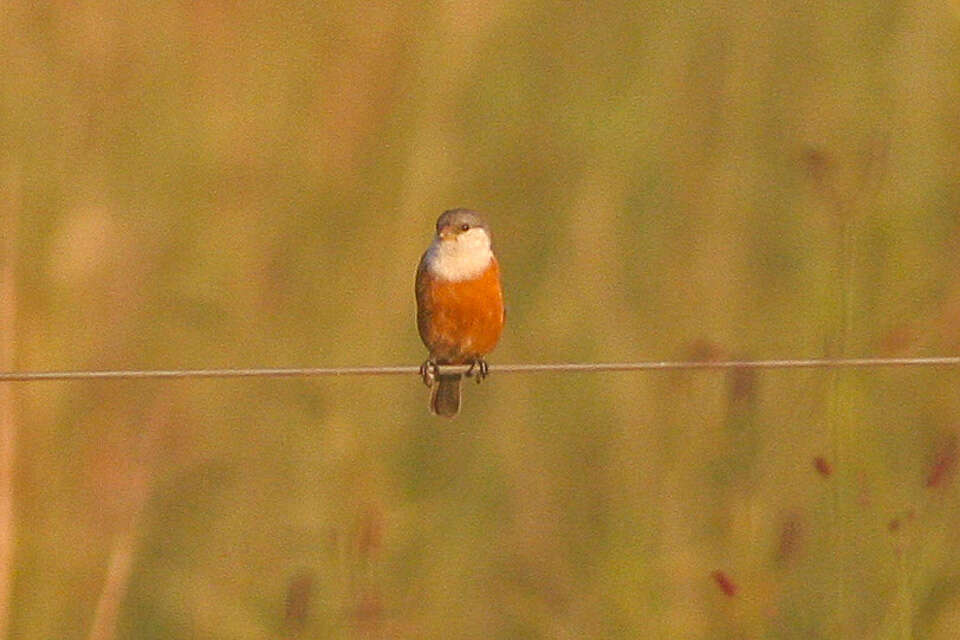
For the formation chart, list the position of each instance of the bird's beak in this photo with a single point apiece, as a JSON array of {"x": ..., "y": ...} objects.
[{"x": 447, "y": 233}]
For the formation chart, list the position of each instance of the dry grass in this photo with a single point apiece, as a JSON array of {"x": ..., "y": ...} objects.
[{"x": 209, "y": 184}]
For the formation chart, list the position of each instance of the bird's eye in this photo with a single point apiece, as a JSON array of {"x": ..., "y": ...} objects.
[{"x": 464, "y": 227}]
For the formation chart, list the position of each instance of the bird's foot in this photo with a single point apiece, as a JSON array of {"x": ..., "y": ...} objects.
[
  {"x": 428, "y": 372},
  {"x": 479, "y": 369}
]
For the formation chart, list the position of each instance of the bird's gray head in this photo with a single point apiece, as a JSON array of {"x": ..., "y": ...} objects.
[
  {"x": 461, "y": 248},
  {"x": 457, "y": 221}
]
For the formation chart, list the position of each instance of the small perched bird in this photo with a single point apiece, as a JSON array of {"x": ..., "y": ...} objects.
[{"x": 459, "y": 304}]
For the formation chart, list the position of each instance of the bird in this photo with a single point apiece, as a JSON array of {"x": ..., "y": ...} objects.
[{"x": 460, "y": 312}]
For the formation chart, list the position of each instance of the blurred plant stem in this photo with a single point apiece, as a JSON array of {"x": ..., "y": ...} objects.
[
  {"x": 115, "y": 586},
  {"x": 839, "y": 420},
  {"x": 8, "y": 417},
  {"x": 846, "y": 205},
  {"x": 839, "y": 414},
  {"x": 139, "y": 484}
]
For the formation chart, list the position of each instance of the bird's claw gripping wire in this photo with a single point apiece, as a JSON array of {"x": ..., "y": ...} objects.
[
  {"x": 478, "y": 368},
  {"x": 428, "y": 372}
]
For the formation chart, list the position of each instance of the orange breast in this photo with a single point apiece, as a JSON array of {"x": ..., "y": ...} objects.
[{"x": 460, "y": 321}]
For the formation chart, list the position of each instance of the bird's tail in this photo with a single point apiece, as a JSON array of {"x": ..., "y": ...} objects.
[{"x": 445, "y": 397}]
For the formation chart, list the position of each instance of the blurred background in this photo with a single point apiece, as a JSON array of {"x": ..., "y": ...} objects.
[{"x": 221, "y": 184}]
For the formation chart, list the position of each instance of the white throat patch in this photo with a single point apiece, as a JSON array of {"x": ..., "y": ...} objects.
[{"x": 465, "y": 256}]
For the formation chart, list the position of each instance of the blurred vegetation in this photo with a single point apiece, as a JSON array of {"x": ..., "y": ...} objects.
[{"x": 219, "y": 184}]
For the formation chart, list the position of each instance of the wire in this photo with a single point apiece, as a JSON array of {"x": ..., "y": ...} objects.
[{"x": 583, "y": 367}]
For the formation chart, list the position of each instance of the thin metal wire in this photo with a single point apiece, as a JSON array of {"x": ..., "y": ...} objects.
[{"x": 571, "y": 367}]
